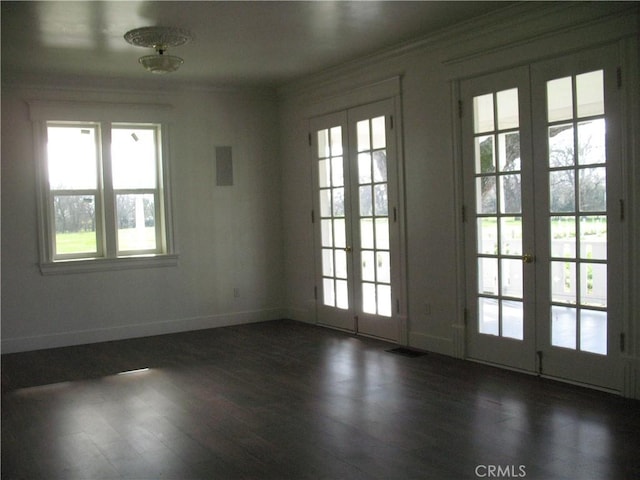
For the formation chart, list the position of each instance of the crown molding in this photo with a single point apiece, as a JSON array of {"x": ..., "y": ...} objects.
[
  {"x": 516, "y": 24},
  {"x": 154, "y": 86}
]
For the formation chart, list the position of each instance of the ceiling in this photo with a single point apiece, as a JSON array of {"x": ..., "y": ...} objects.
[{"x": 265, "y": 43}]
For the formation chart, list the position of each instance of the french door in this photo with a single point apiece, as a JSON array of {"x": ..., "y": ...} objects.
[
  {"x": 542, "y": 180},
  {"x": 356, "y": 220}
]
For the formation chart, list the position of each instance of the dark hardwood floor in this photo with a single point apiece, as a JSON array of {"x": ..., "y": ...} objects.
[{"x": 284, "y": 400}]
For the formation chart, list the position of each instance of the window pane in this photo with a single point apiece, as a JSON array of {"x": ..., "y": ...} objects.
[
  {"x": 593, "y": 189},
  {"x": 136, "y": 222},
  {"x": 72, "y": 157},
  {"x": 75, "y": 224},
  {"x": 364, "y": 168},
  {"x": 368, "y": 266},
  {"x": 366, "y": 233},
  {"x": 325, "y": 203},
  {"x": 341, "y": 263},
  {"x": 383, "y": 267},
  {"x": 561, "y": 146},
  {"x": 379, "y": 133},
  {"x": 591, "y": 142},
  {"x": 380, "y": 166},
  {"x": 510, "y": 194},
  {"x": 339, "y": 233},
  {"x": 328, "y": 291},
  {"x": 593, "y": 237},
  {"x": 381, "y": 202},
  {"x": 364, "y": 141},
  {"x": 369, "y": 298},
  {"x": 593, "y": 331},
  {"x": 509, "y": 151},
  {"x": 563, "y": 237},
  {"x": 326, "y": 231},
  {"x": 342, "y": 294},
  {"x": 562, "y": 191},
  {"x": 384, "y": 300},
  {"x": 559, "y": 99},
  {"x": 563, "y": 282},
  {"x": 323, "y": 144},
  {"x": 337, "y": 174},
  {"x": 488, "y": 316},
  {"x": 485, "y": 154},
  {"x": 336, "y": 141},
  {"x": 327, "y": 262},
  {"x": 593, "y": 291},
  {"x": 483, "y": 113},
  {"x": 324, "y": 173},
  {"x": 133, "y": 158},
  {"x": 488, "y": 235},
  {"x": 563, "y": 327},
  {"x": 510, "y": 236},
  {"x": 511, "y": 277},
  {"x": 512, "y": 319},
  {"x": 488, "y": 276},
  {"x": 486, "y": 195},
  {"x": 338, "y": 202},
  {"x": 382, "y": 233},
  {"x": 590, "y": 93},
  {"x": 366, "y": 201},
  {"x": 508, "y": 109}
]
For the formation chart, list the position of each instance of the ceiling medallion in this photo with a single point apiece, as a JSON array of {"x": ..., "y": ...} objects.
[{"x": 160, "y": 39}]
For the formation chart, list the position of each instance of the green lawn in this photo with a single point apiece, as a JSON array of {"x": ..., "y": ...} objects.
[
  {"x": 85, "y": 242},
  {"x": 77, "y": 242}
]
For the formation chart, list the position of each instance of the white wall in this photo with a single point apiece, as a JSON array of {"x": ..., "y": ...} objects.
[
  {"x": 519, "y": 35},
  {"x": 227, "y": 237}
]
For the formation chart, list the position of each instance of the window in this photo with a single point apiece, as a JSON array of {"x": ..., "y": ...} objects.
[{"x": 104, "y": 195}]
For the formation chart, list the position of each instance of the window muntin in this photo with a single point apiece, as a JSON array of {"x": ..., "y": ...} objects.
[{"x": 104, "y": 202}]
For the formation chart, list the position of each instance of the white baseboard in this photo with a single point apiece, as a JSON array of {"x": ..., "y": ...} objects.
[
  {"x": 121, "y": 332},
  {"x": 301, "y": 314},
  {"x": 431, "y": 343}
]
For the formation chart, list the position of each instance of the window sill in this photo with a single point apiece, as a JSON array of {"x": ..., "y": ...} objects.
[{"x": 107, "y": 264}]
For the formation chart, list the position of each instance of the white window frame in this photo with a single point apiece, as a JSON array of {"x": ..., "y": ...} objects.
[{"x": 104, "y": 116}]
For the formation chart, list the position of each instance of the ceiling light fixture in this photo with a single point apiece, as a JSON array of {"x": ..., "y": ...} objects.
[{"x": 159, "y": 38}]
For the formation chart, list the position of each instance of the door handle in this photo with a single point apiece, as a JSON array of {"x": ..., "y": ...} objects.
[
  {"x": 347, "y": 249},
  {"x": 528, "y": 258}
]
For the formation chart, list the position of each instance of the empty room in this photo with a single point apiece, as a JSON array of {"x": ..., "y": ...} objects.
[{"x": 320, "y": 240}]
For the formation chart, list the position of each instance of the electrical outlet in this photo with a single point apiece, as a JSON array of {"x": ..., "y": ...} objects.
[{"x": 236, "y": 292}]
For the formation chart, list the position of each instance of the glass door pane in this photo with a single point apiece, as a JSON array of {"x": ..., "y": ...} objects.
[
  {"x": 577, "y": 224},
  {"x": 498, "y": 214},
  {"x": 331, "y": 191},
  {"x": 373, "y": 216}
]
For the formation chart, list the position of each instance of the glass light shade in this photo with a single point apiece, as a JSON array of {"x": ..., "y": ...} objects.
[{"x": 161, "y": 63}]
